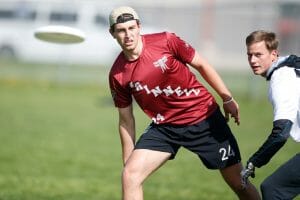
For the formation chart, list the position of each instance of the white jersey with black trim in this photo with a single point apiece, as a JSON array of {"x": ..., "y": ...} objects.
[{"x": 284, "y": 94}]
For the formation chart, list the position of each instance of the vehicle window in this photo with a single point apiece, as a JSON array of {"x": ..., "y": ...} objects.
[
  {"x": 6, "y": 14},
  {"x": 63, "y": 17},
  {"x": 100, "y": 20},
  {"x": 21, "y": 14},
  {"x": 290, "y": 10}
]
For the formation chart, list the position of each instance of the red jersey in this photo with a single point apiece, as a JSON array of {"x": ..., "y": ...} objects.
[{"x": 161, "y": 82}]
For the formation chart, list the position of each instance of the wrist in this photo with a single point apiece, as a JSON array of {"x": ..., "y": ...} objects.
[
  {"x": 228, "y": 101},
  {"x": 250, "y": 165}
]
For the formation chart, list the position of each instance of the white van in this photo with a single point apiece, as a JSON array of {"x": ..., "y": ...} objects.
[{"x": 18, "y": 20}]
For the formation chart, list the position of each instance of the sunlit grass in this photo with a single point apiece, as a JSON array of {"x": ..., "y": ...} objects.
[{"x": 59, "y": 140}]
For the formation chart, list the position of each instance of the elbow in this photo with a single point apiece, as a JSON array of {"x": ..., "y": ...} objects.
[{"x": 281, "y": 129}]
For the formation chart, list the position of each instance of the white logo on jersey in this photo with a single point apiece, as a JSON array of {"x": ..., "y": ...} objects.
[
  {"x": 161, "y": 63},
  {"x": 166, "y": 91},
  {"x": 158, "y": 118}
]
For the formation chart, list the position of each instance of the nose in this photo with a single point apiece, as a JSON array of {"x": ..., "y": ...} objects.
[
  {"x": 126, "y": 33},
  {"x": 251, "y": 58}
]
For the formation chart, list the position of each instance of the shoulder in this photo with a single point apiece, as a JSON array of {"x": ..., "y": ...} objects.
[
  {"x": 283, "y": 73},
  {"x": 119, "y": 65},
  {"x": 283, "y": 81},
  {"x": 158, "y": 37}
]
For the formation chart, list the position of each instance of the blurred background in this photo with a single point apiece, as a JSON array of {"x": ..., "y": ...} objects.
[
  {"x": 58, "y": 126},
  {"x": 217, "y": 28}
]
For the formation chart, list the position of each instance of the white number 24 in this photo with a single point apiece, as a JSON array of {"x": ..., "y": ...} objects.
[{"x": 226, "y": 152}]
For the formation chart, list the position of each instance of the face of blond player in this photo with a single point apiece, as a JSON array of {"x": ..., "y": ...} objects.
[
  {"x": 260, "y": 58},
  {"x": 127, "y": 35}
]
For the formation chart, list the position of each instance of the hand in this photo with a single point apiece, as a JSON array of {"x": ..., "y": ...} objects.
[
  {"x": 246, "y": 172},
  {"x": 231, "y": 109}
]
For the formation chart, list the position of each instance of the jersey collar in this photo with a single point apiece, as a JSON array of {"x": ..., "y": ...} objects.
[{"x": 274, "y": 66}]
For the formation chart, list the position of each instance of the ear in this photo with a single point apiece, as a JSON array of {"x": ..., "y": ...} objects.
[
  {"x": 111, "y": 32},
  {"x": 274, "y": 54}
]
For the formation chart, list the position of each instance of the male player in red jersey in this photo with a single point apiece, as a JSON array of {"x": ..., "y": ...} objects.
[{"x": 153, "y": 69}]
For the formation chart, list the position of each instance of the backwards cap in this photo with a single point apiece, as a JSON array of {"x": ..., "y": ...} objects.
[{"x": 122, "y": 14}]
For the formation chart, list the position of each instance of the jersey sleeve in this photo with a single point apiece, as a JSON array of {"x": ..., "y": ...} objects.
[
  {"x": 181, "y": 49},
  {"x": 121, "y": 95}
]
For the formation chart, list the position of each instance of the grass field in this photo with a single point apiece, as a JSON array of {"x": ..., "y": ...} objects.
[{"x": 59, "y": 140}]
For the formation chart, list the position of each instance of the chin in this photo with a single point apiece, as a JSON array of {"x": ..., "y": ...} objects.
[
  {"x": 129, "y": 47},
  {"x": 257, "y": 73}
]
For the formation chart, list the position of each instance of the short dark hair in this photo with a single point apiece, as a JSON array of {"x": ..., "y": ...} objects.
[
  {"x": 268, "y": 37},
  {"x": 124, "y": 18}
]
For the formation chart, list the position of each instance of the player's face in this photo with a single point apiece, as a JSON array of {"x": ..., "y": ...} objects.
[
  {"x": 260, "y": 58},
  {"x": 127, "y": 34}
]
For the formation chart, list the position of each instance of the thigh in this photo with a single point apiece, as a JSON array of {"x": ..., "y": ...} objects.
[
  {"x": 286, "y": 179},
  {"x": 143, "y": 162},
  {"x": 213, "y": 141},
  {"x": 159, "y": 138}
]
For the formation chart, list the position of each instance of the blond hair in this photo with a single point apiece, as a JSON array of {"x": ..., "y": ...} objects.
[{"x": 268, "y": 37}]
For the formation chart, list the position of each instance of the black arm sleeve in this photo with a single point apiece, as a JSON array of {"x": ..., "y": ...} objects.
[{"x": 278, "y": 137}]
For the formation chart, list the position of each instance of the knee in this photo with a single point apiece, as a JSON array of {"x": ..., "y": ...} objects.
[
  {"x": 238, "y": 187},
  {"x": 247, "y": 191},
  {"x": 264, "y": 186},
  {"x": 130, "y": 176},
  {"x": 267, "y": 189}
]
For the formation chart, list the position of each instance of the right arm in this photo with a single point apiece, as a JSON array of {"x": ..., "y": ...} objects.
[{"x": 127, "y": 131}]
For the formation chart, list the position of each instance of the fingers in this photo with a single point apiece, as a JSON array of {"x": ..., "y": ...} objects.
[
  {"x": 236, "y": 114},
  {"x": 244, "y": 182},
  {"x": 227, "y": 116},
  {"x": 237, "y": 118},
  {"x": 247, "y": 172},
  {"x": 244, "y": 178},
  {"x": 233, "y": 113}
]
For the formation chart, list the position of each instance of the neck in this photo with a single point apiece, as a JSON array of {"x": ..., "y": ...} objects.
[{"x": 275, "y": 60}]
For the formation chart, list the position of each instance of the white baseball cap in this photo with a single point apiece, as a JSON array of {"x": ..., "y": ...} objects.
[{"x": 122, "y": 14}]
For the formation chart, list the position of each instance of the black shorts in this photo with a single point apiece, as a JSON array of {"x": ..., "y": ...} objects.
[{"x": 211, "y": 139}]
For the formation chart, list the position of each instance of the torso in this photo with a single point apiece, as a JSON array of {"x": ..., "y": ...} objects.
[
  {"x": 161, "y": 83},
  {"x": 284, "y": 94}
]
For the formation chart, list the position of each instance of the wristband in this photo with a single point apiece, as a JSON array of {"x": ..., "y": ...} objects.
[{"x": 229, "y": 101}]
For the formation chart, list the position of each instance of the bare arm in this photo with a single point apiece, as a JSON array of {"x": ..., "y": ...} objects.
[
  {"x": 127, "y": 131},
  {"x": 210, "y": 75}
]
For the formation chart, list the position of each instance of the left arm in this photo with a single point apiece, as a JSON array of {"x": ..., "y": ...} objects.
[
  {"x": 276, "y": 140},
  {"x": 210, "y": 75},
  {"x": 278, "y": 137},
  {"x": 285, "y": 104}
]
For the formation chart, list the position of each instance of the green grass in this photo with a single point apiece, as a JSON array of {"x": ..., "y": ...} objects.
[{"x": 59, "y": 141}]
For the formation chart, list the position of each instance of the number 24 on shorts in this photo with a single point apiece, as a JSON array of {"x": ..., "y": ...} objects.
[{"x": 226, "y": 153}]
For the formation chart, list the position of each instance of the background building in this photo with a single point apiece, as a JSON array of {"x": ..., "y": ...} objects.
[{"x": 217, "y": 28}]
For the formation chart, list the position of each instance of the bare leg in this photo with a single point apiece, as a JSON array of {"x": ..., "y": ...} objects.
[
  {"x": 233, "y": 178},
  {"x": 141, "y": 164}
]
